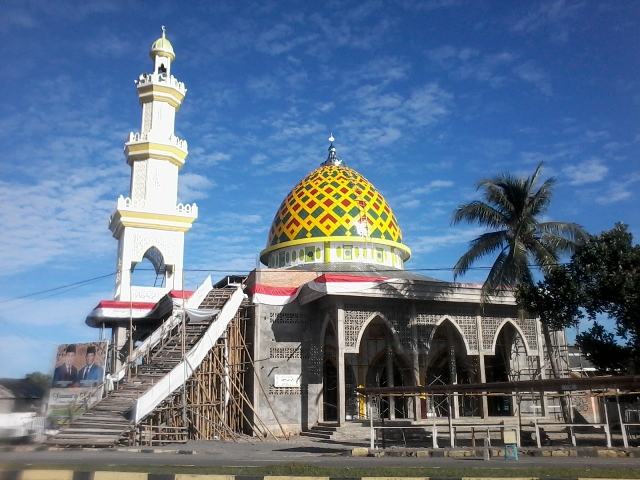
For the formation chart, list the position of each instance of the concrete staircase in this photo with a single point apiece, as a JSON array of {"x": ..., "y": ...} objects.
[
  {"x": 331, "y": 431},
  {"x": 108, "y": 421}
]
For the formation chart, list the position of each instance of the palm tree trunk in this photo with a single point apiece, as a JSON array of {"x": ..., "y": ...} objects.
[{"x": 555, "y": 371}]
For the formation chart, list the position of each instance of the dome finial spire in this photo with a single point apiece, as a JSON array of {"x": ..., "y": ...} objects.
[
  {"x": 164, "y": 32},
  {"x": 332, "y": 159}
]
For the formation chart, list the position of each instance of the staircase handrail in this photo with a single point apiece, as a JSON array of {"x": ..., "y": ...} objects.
[
  {"x": 160, "y": 333},
  {"x": 173, "y": 380}
]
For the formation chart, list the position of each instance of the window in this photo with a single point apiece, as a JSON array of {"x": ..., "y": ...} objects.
[{"x": 309, "y": 251}]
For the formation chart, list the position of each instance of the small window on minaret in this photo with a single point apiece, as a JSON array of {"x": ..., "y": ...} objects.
[{"x": 162, "y": 70}]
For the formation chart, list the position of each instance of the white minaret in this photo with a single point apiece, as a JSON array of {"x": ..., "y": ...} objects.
[{"x": 149, "y": 223}]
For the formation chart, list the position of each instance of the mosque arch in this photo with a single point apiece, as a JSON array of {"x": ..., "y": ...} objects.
[
  {"x": 500, "y": 328},
  {"x": 377, "y": 375},
  {"x": 329, "y": 390},
  {"x": 507, "y": 363},
  {"x": 450, "y": 363},
  {"x": 374, "y": 316},
  {"x": 154, "y": 255},
  {"x": 441, "y": 321},
  {"x": 327, "y": 324}
]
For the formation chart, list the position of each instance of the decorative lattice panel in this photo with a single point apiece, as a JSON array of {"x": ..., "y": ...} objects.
[
  {"x": 580, "y": 403},
  {"x": 302, "y": 390},
  {"x": 490, "y": 327},
  {"x": 286, "y": 352},
  {"x": 464, "y": 318},
  {"x": 355, "y": 316},
  {"x": 469, "y": 329},
  {"x": 528, "y": 327},
  {"x": 287, "y": 317},
  {"x": 314, "y": 366}
]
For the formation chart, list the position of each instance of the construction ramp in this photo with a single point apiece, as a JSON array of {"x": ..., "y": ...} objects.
[{"x": 171, "y": 357}]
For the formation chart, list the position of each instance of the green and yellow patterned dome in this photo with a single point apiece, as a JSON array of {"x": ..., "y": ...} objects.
[{"x": 334, "y": 215}]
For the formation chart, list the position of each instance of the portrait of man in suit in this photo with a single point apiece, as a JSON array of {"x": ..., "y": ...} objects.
[
  {"x": 91, "y": 373},
  {"x": 66, "y": 374}
]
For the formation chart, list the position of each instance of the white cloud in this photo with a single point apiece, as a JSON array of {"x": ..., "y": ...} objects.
[
  {"x": 258, "y": 159},
  {"x": 531, "y": 73},
  {"x": 198, "y": 157},
  {"x": 618, "y": 191},
  {"x": 193, "y": 186},
  {"x": 589, "y": 171},
  {"x": 469, "y": 63},
  {"x": 282, "y": 38},
  {"x": 553, "y": 15},
  {"x": 62, "y": 220},
  {"x": 431, "y": 243},
  {"x": 415, "y": 203}
]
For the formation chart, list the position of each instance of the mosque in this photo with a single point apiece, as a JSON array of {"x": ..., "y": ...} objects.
[{"x": 331, "y": 309}]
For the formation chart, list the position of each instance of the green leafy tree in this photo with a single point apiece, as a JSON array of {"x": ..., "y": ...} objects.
[
  {"x": 39, "y": 380},
  {"x": 603, "y": 350},
  {"x": 555, "y": 300},
  {"x": 602, "y": 278},
  {"x": 512, "y": 210}
]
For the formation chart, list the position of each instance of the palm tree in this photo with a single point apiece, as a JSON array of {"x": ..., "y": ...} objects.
[{"x": 512, "y": 209}]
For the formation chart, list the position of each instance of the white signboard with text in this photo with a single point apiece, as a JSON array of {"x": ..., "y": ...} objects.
[{"x": 283, "y": 381}]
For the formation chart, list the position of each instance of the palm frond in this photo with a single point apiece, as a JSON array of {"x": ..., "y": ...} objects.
[
  {"x": 545, "y": 256},
  {"x": 540, "y": 200},
  {"x": 485, "y": 244},
  {"x": 570, "y": 231},
  {"x": 480, "y": 213},
  {"x": 496, "y": 195}
]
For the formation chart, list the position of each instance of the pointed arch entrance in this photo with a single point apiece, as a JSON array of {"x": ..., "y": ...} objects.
[
  {"x": 384, "y": 366},
  {"x": 449, "y": 364},
  {"x": 508, "y": 363}
]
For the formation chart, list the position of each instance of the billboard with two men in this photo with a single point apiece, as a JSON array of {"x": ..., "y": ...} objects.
[{"x": 78, "y": 378}]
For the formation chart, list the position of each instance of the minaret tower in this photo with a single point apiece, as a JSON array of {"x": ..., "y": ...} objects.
[{"x": 149, "y": 223}]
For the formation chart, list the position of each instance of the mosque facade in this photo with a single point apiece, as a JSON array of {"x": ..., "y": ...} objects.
[
  {"x": 334, "y": 310},
  {"x": 331, "y": 309}
]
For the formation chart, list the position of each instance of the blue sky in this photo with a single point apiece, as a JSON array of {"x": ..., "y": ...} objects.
[{"x": 424, "y": 98}]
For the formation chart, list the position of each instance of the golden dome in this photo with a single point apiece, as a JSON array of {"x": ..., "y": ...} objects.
[
  {"x": 162, "y": 46},
  {"x": 334, "y": 203}
]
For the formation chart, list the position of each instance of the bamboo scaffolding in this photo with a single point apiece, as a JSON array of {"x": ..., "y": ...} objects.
[{"x": 213, "y": 403}]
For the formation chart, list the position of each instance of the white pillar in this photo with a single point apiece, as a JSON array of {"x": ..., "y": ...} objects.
[{"x": 342, "y": 397}]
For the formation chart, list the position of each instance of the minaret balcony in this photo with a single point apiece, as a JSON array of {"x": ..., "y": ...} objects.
[
  {"x": 161, "y": 79},
  {"x": 181, "y": 209},
  {"x": 159, "y": 87},
  {"x": 134, "y": 213},
  {"x": 142, "y": 146}
]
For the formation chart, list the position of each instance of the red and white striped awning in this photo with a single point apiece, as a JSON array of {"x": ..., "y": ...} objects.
[
  {"x": 109, "y": 311},
  {"x": 327, "y": 283}
]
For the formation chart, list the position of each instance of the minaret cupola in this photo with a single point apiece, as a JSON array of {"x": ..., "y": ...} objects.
[{"x": 162, "y": 54}]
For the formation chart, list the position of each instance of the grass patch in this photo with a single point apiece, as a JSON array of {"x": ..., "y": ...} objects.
[{"x": 308, "y": 470}]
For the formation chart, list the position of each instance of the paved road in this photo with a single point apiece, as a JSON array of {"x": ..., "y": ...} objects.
[{"x": 303, "y": 450}]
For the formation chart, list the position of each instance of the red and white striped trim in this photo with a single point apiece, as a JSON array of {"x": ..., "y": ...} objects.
[
  {"x": 107, "y": 309},
  {"x": 328, "y": 283},
  {"x": 116, "y": 309}
]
